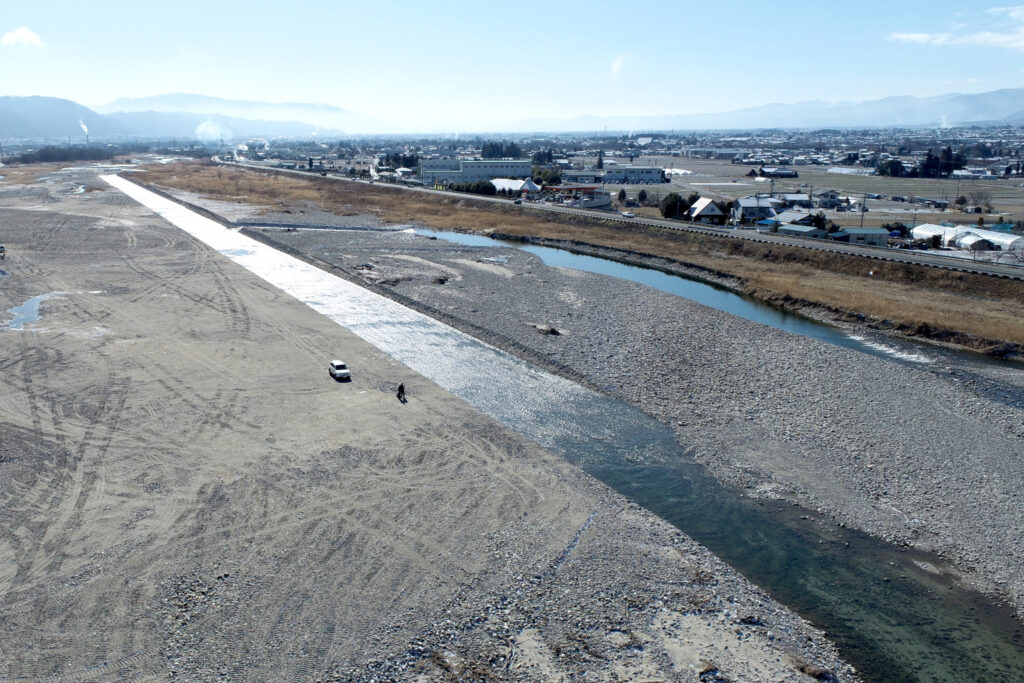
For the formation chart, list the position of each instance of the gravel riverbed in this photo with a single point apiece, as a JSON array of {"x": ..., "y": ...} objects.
[
  {"x": 196, "y": 499},
  {"x": 923, "y": 456}
]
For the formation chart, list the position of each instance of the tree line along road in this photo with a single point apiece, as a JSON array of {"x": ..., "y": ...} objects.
[{"x": 1003, "y": 270}]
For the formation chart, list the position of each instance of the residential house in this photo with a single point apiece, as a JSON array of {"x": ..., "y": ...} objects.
[
  {"x": 795, "y": 217},
  {"x": 826, "y": 199},
  {"x": 705, "y": 210},
  {"x": 747, "y": 210},
  {"x": 796, "y": 200}
]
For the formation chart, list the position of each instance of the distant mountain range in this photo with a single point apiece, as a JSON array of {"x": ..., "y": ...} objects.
[
  {"x": 316, "y": 115},
  {"x": 182, "y": 115},
  {"x": 997, "y": 106},
  {"x": 52, "y": 117}
]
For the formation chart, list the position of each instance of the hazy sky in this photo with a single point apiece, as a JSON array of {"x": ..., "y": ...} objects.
[{"x": 461, "y": 64}]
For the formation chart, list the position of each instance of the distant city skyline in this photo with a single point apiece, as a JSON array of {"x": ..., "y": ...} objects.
[{"x": 415, "y": 67}]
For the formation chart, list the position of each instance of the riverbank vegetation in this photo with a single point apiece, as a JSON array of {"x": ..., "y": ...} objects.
[{"x": 971, "y": 310}]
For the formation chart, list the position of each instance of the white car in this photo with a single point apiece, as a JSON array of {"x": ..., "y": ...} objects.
[
  {"x": 339, "y": 370},
  {"x": 628, "y": 214}
]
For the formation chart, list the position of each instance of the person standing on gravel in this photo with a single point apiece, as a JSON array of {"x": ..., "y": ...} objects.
[{"x": 401, "y": 392}]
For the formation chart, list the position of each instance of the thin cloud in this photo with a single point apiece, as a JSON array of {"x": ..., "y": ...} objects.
[
  {"x": 961, "y": 83},
  {"x": 1016, "y": 13},
  {"x": 616, "y": 66},
  {"x": 21, "y": 37},
  {"x": 1012, "y": 38}
]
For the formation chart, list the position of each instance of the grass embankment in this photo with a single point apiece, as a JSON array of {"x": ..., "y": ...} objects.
[{"x": 973, "y": 310}]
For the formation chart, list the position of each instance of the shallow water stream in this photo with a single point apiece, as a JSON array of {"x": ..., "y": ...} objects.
[{"x": 894, "y": 614}]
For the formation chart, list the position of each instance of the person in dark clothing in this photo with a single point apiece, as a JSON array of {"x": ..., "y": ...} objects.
[{"x": 401, "y": 392}]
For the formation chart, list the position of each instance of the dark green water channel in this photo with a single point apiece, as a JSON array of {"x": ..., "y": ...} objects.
[{"x": 896, "y": 615}]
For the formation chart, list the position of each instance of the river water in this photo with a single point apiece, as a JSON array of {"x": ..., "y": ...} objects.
[{"x": 896, "y": 615}]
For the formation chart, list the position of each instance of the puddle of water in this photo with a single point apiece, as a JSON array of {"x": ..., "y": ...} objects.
[
  {"x": 27, "y": 312},
  {"x": 889, "y": 612},
  {"x": 3, "y": 273}
]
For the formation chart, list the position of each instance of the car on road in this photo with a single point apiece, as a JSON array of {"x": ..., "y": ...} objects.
[
  {"x": 339, "y": 370},
  {"x": 628, "y": 214}
]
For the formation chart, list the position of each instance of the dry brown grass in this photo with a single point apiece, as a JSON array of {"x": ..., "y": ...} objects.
[
  {"x": 987, "y": 307},
  {"x": 29, "y": 173}
]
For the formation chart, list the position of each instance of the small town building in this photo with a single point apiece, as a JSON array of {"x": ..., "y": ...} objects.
[
  {"x": 875, "y": 237},
  {"x": 806, "y": 231},
  {"x": 775, "y": 172},
  {"x": 583, "y": 177},
  {"x": 635, "y": 175},
  {"x": 580, "y": 196},
  {"x": 826, "y": 199},
  {"x": 747, "y": 210},
  {"x": 435, "y": 171},
  {"x": 705, "y": 210},
  {"x": 795, "y": 217},
  {"x": 796, "y": 200}
]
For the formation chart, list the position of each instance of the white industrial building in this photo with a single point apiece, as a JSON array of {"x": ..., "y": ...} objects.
[
  {"x": 472, "y": 170},
  {"x": 620, "y": 175},
  {"x": 516, "y": 186},
  {"x": 634, "y": 175},
  {"x": 956, "y": 236}
]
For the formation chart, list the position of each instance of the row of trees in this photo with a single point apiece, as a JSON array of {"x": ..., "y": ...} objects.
[
  {"x": 674, "y": 205},
  {"x": 68, "y": 154},
  {"x": 933, "y": 166},
  {"x": 500, "y": 150},
  {"x": 546, "y": 176},
  {"x": 484, "y": 187},
  {"x": 398, "y": 160},
  {"x": 941, "y": 166},
  {"x": 544, "y": 156}
]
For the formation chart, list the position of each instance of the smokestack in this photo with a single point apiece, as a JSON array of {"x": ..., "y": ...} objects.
[{"x": 85, "y": 129}]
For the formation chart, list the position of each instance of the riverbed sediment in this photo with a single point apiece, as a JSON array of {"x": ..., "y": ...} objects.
[
  {"x": 924, "y": 456},
  {"x": 187, "y": 494}
]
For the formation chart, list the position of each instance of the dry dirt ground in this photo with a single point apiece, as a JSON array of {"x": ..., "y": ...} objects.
[{"x": 185, "y": 493}]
